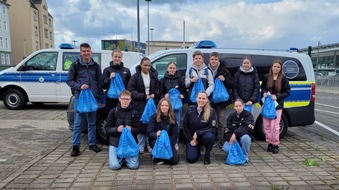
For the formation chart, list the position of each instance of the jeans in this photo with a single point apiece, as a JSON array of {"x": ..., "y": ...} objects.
[
  {"x": 245, "y": 143},
  {"x": 78, "y": 120},
  {"x": 115, "y": 162},
  {"x": 193, "y": 152},
  {"x": 142, "y": 141},
  {"x": 177, "y": 114},
  {"x": 272, "y": 129}
]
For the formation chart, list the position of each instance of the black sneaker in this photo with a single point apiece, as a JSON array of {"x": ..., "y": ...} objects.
[
  {"x": 275, "y": 149},
  {"x": 220, "y": 145},
  {"x": 75, "y": 151},
  {"x": 269, "y": 148},
  {"x": 95, "y": 148},
  {"x": 207, "y": 161}
]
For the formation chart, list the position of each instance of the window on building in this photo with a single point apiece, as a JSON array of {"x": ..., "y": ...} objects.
[
  {"x": 0, "y": 24},
  {"x": 46, "y": 45},
  {"x": 6, "y": 42},
  {"x": 36, "y": 31},
  {"x": 8, "y": 59},
  {"x": 36, "y": 45},
  {"x": 50, "y": 22},
  {"x": 1, "y": 43},
  {"x": 45, "y": 19},
  {"x": 3, "y": 61},
  {"x": 50, "y": 35},
  {"x": 5, "y": 25},
  {"x": 46, "y": 33},
  {"x": 4, "y": 10},
  {"x": 35, "y": 16}
]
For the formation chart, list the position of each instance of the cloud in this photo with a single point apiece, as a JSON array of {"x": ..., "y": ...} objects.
[{"x": 277, "y": 24}]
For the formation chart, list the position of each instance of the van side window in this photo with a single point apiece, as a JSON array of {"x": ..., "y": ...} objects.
[
  {"x": 46, "y": 61},
  {"x": 161, "y": 64},
  {"x": 70, "y": 57}
]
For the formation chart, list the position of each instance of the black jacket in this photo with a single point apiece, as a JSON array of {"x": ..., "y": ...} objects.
[
  {"x": 153, "y": 127},
  {"x": 194, "y": 122},
  {"x": 123, "y": 72},
  {"x": 238, "y": 124},
  {"x": 172, "y": 81},
  {"x": 228, "y": 82},
  {"x": 284, "y": 91},
  {"x": 246, "y": 85},
  {"x": 120, "y": 116},
  {"x": 137, "y": 87}
]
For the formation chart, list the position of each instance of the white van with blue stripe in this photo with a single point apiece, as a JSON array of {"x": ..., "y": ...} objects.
[
  {"x": 41, "y": 77},
  {"x": 298, "y": 107}
]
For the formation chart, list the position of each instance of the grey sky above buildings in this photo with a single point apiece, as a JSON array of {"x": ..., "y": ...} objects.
[{"x": 269, "y": 24}]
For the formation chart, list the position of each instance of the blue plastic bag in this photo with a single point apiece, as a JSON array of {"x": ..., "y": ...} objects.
[
  {"x": 268, "y": 109},
  {"x": 174, "y": 96},
  {"x": 87, "y": 102},
  {"x": 220, "y": 93},
  {"x": 148, "y": 111},
  {"x": 162, "y": 148},
  {"x": 235, "y": 155},
  {"x": 127, "y": 146},
  {"x": 197, "y": 87},
  {"x": 116, "y": 87},
  {"x": 248, "y": 108}
]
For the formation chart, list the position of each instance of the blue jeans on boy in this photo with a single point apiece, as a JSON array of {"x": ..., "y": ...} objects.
[
  {"x": 245, "y": 143},
  {"x": 177, "y": 114},
  {"x": 78, "y": 120},
  {"x": 115, "y": 162}
]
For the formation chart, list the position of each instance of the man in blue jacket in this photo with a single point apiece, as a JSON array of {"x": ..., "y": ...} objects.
[{"x": 84, "y": 73}]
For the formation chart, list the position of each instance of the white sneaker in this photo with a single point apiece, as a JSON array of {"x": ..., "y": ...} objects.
[{"x": 176, "y": 146}]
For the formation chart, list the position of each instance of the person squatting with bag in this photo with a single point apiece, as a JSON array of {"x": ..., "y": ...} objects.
[
  {"x": 120, "y": 117},
  {"x": 247, "y": 85},
  {"x": 164, "y": 119},
  {"x": 109, "y": 73},
  {"x": 219, "y": 71},
  {"x": 84, "y": 74},
  {"x": 240, "y": 127},
  {"x": 144, "y": 84},
  {"x": 172, "y": 80},
  {"x": 198, "y": 71},
  {"x": 275, "y": 83},
  {"x": 199, "y": 129}
]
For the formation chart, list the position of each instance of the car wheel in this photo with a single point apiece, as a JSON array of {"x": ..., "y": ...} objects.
[
  {"x": 101, "y": 130},
  {"x": 260, "y": 132},
  {"x": 14, "y": 99}
]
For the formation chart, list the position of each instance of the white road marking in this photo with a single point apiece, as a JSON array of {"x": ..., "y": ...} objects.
[
  {"x": 327, "y": 105},
  {"x": 327, "y": 128},
  {"x": 332, "y": 112}
]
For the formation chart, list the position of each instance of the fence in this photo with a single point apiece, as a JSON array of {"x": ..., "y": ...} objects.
[{"x": 328, "y": 84}]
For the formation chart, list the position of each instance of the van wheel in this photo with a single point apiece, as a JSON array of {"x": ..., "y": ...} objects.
[
  {"x": 14, "y": 99},
  {"x": 260, "y": 132},
  {"x": 101, "y": 130}
]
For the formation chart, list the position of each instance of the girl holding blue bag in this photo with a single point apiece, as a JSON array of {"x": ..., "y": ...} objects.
[
  {"x": 278, "y": 86},
  {"x": 109, "y": 73},
  {"x": 172, "y": 80},
  {"x": 164, "y": 119}
]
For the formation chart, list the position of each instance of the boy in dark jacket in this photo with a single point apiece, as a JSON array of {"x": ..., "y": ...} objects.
[
  {"x": 124, "y": 115},
  {"x": 240, "y": 125}
]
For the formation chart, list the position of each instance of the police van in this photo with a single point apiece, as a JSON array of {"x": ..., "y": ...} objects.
[
  {"x": 41, "y": 77},
  {"x": 298, "y": 107}
]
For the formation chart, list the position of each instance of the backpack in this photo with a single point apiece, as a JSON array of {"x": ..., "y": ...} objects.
[
  {"x": 76, "y": 70},
  {"x": 191, "y": 68}
]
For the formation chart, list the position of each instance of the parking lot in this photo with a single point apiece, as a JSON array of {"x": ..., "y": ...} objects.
[{"x": 35, "y": 145}]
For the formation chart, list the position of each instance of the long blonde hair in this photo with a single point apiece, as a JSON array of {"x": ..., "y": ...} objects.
[
  {"x": 170, "y": 111},
  {"x": 207, "y": 107}
]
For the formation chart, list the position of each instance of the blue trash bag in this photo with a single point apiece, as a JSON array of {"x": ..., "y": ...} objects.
[
  {"x": 220, "y": 93},
  {"x": 248, "y": 108},
  {"x": 162, "y": 148},
  {"x": 268, "y": 109},
  {"x": 116, "y": 87},
  {"x": 87, "y": 102},
  {"x": 127, "y": 146},
  {"x": 174, "y": 96},
  {"x": 148, "y": 111},
  {"x": 197, "y": 87},
  {"x": 235, "y": 155}
]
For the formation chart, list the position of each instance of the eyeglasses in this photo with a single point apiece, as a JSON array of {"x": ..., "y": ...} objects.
[{"x": 125, "y": 99}]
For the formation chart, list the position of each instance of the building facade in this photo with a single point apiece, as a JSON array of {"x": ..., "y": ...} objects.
[
  {"x": 155, "y": 46},
  {"x": 31, "y": 27},
  {"x": 5, "y": 35}
]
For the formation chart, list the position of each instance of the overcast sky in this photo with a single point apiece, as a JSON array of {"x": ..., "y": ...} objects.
[{"x": 269, "y": 24}]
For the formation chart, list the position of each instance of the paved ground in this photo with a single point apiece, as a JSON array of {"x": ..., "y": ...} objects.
[{"x": 35, "y": 148}]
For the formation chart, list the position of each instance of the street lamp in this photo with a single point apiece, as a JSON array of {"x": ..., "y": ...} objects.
[
  {"x": 151, "y": 29},
  {"x": 148, "y": 25},
  {"x": 138, "y": 25}
]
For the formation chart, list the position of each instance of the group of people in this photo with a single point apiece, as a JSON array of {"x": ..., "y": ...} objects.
[{"x": 204, "y": 122}]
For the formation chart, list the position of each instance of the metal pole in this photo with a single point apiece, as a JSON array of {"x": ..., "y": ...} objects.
[
  {"x": 152, "y": 37},
  {"x": 138, "y": 23},
  {"x": 183, "y": 43},
  {"x": 316, "y": 69},
  {"x": 148, "y": 26}
]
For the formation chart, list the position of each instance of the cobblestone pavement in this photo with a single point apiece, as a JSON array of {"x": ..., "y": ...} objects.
[{"x": 35, "y": 147}]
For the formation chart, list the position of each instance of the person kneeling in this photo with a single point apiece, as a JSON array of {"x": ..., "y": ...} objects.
[
  {"x": 164, "y": 119},
  {"x": 123, "y": 116},
  {"x": 239, "y": 127}
]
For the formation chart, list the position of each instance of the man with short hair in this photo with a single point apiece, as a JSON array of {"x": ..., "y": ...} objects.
[{"x": 84, "y": 73}]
